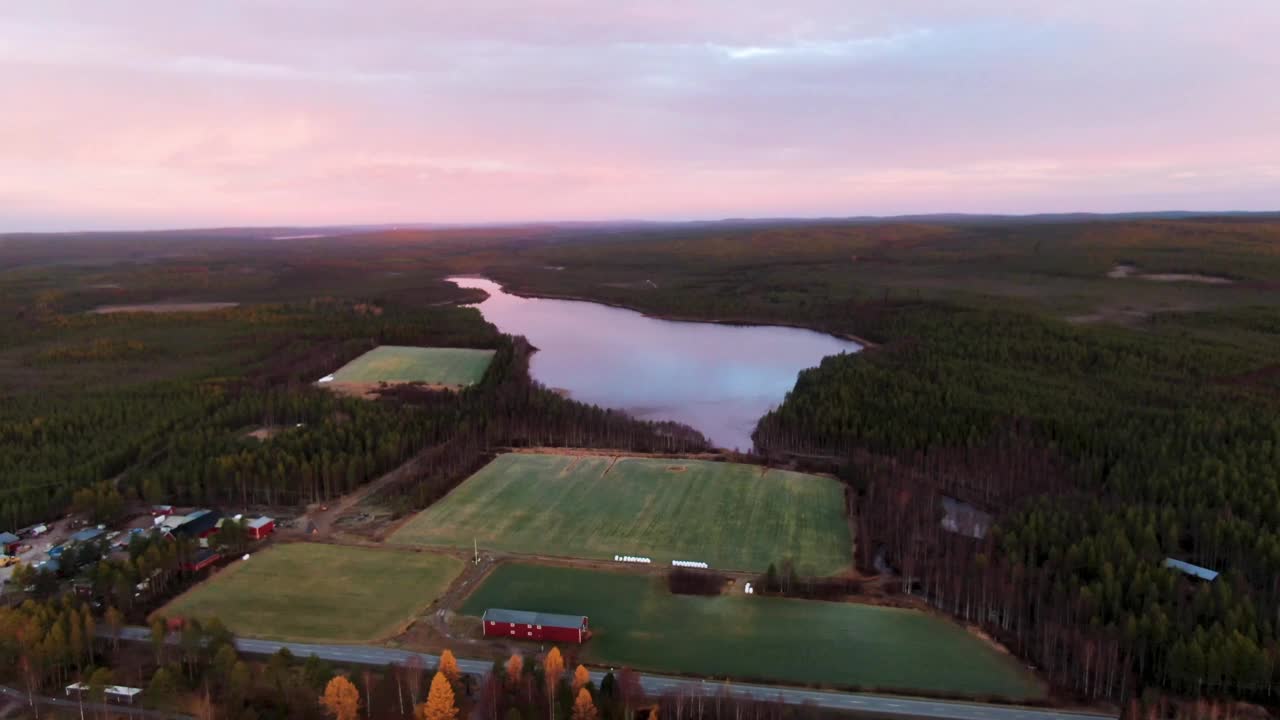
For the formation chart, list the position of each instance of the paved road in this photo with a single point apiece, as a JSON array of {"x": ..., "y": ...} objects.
[
  {"x": 660, "y": 684},
  {"x": 110, "y": 709}
]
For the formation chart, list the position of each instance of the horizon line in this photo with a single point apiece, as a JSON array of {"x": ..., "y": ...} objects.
[{"x": 365, "y": 227}]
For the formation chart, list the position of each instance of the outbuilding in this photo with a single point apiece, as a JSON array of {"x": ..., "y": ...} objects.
[
  {"x": 199, "y": 524},
  {"x": 115, "y": 693},
  {"x": 260, "y": 528},
  {"x": 1195, "y": 571},
  {"x": 87, "y": 535},
  {"x": 524, "y": 625},
  {"x": 8, "y": 543},
  {"x": 202, "y": 560}
]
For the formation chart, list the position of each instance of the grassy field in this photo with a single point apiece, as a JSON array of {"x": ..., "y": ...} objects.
[
  {"x": 320, "y": 592},
  {"x": 731, "y": 516},
  {"x": 636, "y": 622},
  {"x": 398, "y": 364}
]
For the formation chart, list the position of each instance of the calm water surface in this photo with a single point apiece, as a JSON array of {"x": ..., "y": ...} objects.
[{"x": 719, "y": 379}]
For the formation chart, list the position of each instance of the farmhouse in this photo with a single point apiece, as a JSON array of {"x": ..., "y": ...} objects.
[
  {"x": 260, "y": 528},
  {"x": 523, "y": 625}
]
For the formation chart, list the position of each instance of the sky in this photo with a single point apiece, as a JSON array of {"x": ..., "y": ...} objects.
[{"x": 154, "y": 113}]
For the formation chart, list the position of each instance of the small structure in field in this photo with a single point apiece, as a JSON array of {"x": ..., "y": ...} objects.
[
  {"x": 524, "y": 625},
  {"x": 1194, "y": 571},
  {"x": 260, "y": 528}
]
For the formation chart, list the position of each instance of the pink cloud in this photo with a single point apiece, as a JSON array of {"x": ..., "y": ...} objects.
[{"x": 149, "y": 113}]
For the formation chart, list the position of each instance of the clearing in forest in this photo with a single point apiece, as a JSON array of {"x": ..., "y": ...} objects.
[
  {"x": 636, "y": 622},
  {"x": 732, "y": 516},
  {"x": 313, "y": 591},
  {"x": 163, "y": 307},
  {"x": 446, "y": 367}
]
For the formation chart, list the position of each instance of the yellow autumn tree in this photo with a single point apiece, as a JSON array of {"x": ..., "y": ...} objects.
[
  {"x": 440, "y": 703},
  {"x": 515, "y": 667},
  {"x": 580, "y": 679},
  {"x": 553, "y": 670},
  {"x": 341, "y": 699},
  {"x": 583, "y": 708},
  {"x": 449, "y": 667}
]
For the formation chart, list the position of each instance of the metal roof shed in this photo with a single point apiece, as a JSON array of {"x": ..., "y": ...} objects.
[
  {"x": 86, "y": 535},
  {"x": 1194, "y": 571}
]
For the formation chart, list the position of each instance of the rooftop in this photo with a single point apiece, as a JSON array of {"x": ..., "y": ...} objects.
[
  {"x": 524, "y": 617},
  {"x": 1192, "y": 570},
  {"x": 86, "y": 535},
  {"x": 8, "y": 538}
]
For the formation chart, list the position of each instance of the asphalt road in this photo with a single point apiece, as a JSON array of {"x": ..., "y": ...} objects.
[
  {"x": 110, "y": 709},
  {"x": 886, "y": 705}
]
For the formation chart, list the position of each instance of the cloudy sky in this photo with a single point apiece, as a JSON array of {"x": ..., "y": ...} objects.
[{"x": 154, "y": 113}]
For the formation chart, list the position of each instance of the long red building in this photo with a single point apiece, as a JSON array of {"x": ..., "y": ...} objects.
[{"x": 523, "y": 625}]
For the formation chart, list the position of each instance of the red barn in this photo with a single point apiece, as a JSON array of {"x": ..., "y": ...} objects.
[
  {"x": 522, "y": 625},
  {"x": 202, "y": 560},
  {"x": 260, "y": 527}
]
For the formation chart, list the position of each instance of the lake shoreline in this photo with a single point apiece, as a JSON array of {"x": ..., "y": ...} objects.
[{"x": 536, "y": 295}]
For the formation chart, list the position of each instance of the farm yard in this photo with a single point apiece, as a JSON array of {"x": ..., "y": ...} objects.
[
  {"x": 451, "y": 367},
  {"x": 312, "y": 591},
  {"x": 732, "y": 516},
  {"x": 636, "y": 622}
]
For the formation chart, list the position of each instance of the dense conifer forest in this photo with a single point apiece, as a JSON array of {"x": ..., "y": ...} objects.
[
  {"x": 1106, "y": 421},
  {"x": 1108, "y": 391}
]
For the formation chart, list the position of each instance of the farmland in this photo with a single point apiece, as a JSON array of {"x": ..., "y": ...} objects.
[
  {"x": 636, "y": 622},
  {"x": 320, "y": 592},
  {"x": 732, "y": 516},
  {"x": 454, "y": 367}
]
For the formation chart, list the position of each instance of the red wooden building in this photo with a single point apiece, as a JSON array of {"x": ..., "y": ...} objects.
[
  {"x": 523, "y": 625},
  {"x": 261, "y": 527},
  {"x": 202, "y": 560}
]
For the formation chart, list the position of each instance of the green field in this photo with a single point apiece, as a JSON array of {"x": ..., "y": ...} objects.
[
  {"x": 399, "y": 364},
  {"x": 309, "y": 591},
  {"x": 635, "y": 622},
  {"x": 732, "y": 516}
]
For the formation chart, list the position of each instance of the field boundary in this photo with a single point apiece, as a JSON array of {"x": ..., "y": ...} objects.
[{"x": 737, "y": 517}]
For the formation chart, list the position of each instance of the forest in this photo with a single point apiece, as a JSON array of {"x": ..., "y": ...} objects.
[
  {"x": 1105, "y": 421},
  {"x": 172, "y": 421},
  {"x": 1106, "y": 424}
]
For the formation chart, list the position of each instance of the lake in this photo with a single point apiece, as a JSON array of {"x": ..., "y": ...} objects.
[{"x": 719, "y": 379}]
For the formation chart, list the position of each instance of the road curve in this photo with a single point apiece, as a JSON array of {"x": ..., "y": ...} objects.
[{"x": 886, "y": 705}]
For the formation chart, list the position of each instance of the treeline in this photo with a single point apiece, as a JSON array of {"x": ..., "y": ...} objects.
[
  {"x": 187, "y": 440},
  {"x": 1101, "y": 452},
  {"x": 194, "y": 668},
  {"x": 179, "y": 437},
  {"x": 509, "y": 409}
]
